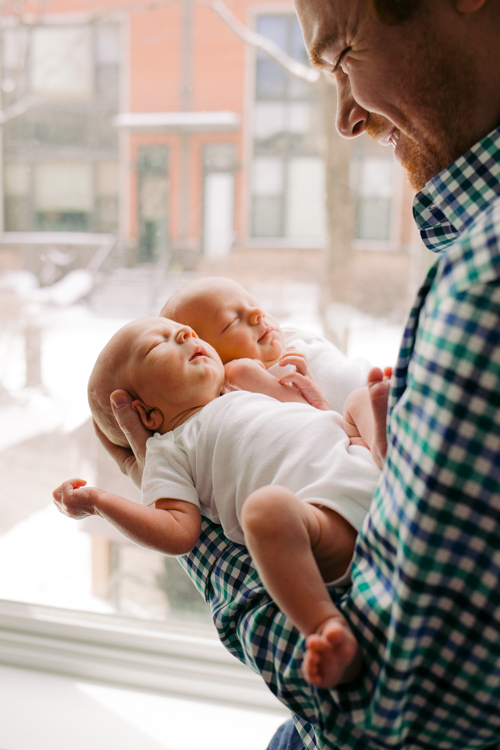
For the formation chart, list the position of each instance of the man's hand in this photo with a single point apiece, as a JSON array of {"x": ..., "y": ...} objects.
[
  {"x": 302, "y": 379},
  {"x": 74, "y": 501},
  {"x": 130, "y": 460}
]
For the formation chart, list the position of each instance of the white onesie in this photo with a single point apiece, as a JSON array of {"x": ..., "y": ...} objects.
[
  {"x": 242, "y": 441},
  {"x": 336, "y": 374}
]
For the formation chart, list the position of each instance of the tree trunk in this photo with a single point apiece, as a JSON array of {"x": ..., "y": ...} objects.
[{"x": 336, "y": 280}]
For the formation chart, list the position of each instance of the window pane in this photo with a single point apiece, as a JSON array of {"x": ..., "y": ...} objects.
[
  {"x": 373, "y": 219},
  {"x": 64, "y": 187},
  {"x": 268, "y": 176},
  {"x": 62, "y": 62},
  {"x": 16, "y": 179},
  {"x": 377, "y": 177},
  {"x": 305, "y": 198},
  {"x": 267, "y": 217},
  {"x": 270, "y": 119}
]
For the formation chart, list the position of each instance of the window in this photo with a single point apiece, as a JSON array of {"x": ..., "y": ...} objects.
[
  {"x": 61, "y": 89},
  {"x": 153, "y": 201},
  {"x": 219, "y": 161},
  {"x": 61, "y": 63},
  {"x": 287, "y": 166},
  {"x": 63, "y": 195},
  {"x": 373, "y": 181},
  {"x": 101, "y": 222}
]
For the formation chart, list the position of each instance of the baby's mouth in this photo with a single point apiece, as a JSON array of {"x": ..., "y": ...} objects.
[
  {"x": 265, "y": 334},
  {"x": 198, "y": 352}
]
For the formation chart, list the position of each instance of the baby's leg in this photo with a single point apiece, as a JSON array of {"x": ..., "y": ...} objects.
[{"x": 296, "y": 546}]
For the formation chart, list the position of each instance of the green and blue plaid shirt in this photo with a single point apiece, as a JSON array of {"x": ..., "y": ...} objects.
[{"x": 425, "y": 598}]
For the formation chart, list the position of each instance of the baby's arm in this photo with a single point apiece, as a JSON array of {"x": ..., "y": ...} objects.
[
  {"x": 174, "y": 532},
  {"x": 251, "y": 375}
]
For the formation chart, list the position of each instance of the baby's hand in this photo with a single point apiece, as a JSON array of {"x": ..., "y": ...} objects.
[
  {"x": 74, "y": 501},
  {"x": 302, "y": 379}
]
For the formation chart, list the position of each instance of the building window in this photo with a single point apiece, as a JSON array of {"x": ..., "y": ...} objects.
[
  {"x": 66, "y": 77},
  {"x": 63, "y": 196},
  {"x": 287, "y": 179},
  {"x": 219, "y": 164},
  {"x": 373, "y": 182},
  {"x": 152, "y": 176},
  {"x": 62, "y": 63}
]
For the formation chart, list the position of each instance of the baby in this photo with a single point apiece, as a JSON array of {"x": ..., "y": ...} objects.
[
  {"x": 281, "y": 477},
  {"x": 228, "y": 317}
]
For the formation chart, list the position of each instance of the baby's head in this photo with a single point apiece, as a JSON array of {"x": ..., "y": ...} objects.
[
  {"x": 225, "y": 315},
  {"x": 167, "y": 370}
]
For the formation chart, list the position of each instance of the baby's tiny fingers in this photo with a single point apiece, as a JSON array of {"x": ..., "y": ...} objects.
[
  {"x": 67, "y": 488},
  {"x": 296, "y": 359}
]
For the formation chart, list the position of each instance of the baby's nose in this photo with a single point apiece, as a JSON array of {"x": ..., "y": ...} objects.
[
  {"x": 256, "y": 314},
  {"x": 185, "y": 333}
]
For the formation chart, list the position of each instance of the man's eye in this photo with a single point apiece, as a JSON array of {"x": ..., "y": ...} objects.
[{"x": 338, "y": 64}]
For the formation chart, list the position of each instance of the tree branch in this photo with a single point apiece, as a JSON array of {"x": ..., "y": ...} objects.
[{"x": 295, "y": 68}]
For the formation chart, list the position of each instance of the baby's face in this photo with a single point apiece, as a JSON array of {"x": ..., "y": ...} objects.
[
  {"x": 168, "y": 367},
  {"x": 232, "y": 321}
]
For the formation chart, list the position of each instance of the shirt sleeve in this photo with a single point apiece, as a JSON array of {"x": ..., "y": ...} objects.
[{"x": 167, "y": 473}]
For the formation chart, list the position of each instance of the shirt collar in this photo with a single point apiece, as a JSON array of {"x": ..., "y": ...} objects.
[{"x": 452, "y": 200}]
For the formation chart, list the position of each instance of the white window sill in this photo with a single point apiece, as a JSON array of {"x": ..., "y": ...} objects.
[
  {"x": 118, "y": 651},
  {"x": 61, "y": 713}
]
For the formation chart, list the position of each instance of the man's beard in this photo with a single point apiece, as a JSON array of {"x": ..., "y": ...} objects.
[{"x": 420, "y": 163}]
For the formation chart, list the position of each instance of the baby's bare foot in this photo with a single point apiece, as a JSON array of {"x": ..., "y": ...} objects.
[
  {"x": 332, "y": 655},
  {"x": 378, "y": 388}
]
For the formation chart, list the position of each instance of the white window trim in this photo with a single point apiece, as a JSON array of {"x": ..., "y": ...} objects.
[{"x": 116, "y": 650}]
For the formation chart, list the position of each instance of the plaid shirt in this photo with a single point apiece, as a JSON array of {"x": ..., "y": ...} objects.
[{"x": 425, "y": 598}]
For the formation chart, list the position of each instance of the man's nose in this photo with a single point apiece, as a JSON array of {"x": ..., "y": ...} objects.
[{"x": 351, "y": 117}]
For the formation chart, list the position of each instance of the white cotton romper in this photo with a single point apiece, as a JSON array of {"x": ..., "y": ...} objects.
[
  {"x": 242, "y": 441},
  {"x": 336, "y": 374}
]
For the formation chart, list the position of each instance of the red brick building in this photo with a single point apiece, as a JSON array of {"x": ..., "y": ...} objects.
[{"x": 156, "y": 122}]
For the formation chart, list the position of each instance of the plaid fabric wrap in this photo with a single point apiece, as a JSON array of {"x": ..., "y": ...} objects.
[{"x": 425, "y": 598}]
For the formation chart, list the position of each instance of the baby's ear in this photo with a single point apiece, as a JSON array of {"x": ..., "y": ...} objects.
[{"x": 151, "y": 417}]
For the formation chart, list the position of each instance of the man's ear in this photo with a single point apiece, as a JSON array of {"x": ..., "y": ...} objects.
[
  {"x": 151, "y": 417},
  {"x": 469, "y": 6}
]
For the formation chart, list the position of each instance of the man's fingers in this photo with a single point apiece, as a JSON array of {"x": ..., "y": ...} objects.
[{"x": 130, "y": 423}]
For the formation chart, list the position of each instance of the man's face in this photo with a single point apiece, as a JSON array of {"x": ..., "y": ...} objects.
[
  {"x": 409, "y": 85},
  {"x": 232, "y": 321}
]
